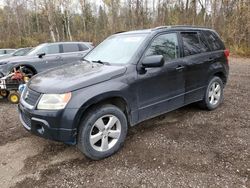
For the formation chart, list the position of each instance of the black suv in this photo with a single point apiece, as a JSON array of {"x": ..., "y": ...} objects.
[
  {"x": 128, "y": 78},
  {"x": 46, "y": 56}
]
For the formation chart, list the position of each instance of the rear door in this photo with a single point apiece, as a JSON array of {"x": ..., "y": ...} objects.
[{"x": 197, "y": 57}]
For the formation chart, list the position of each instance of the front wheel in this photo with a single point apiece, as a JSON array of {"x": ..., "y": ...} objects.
[
  {"x": 102, "y": 132},
  {"x": 214, "y": 94}
]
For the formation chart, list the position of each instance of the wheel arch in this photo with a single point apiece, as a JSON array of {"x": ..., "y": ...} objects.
[
  {"x": 222, "y": 76},
  {"x": 26, "y": 65},
  {"x": 116, "y": 100}
]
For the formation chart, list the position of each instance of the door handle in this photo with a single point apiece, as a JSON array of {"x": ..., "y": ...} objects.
[{"x": 179, "y": 68}]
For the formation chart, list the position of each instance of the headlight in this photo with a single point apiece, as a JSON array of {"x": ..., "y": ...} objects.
[{"x": 53, "y": 101}]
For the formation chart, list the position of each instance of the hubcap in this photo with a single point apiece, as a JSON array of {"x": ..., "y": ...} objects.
[
  {"x": 105, "y": 133},
  {"x": 214, "y": 93},
  {"x": 14, "y": 98}
]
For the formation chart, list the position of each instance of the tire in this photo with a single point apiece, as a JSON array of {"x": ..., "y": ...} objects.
[
  {"x": 4, "y": 93},
  {"x": 14, "y": 98},
  {"x": 100, "y": 123},
  {"x": 213, "y": 97}
]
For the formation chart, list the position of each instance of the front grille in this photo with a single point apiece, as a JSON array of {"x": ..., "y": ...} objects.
[
  {"x": 26, "y": 119},
  {"x": 31, "y": 97}
]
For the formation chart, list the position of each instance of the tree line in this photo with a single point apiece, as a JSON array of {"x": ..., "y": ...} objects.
[{"x": 30, "y": 22}]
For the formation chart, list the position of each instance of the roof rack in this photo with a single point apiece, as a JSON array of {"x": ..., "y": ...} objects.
[
  {"x": 162, "y": 27},
  {"x": 119, "y": 32},
  {"x": 192, "y": 26},
  {"x": 177, "y": 26}
]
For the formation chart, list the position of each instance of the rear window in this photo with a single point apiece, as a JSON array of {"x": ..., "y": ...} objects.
[
  {"x": 213, "y": 40},
  {"x": 70, "y": 48},
  {"x": 193, "y": 43}
]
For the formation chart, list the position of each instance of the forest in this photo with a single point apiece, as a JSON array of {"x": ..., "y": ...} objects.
[{"x": 31, "y": 22}]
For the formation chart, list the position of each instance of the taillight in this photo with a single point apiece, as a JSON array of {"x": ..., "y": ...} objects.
[{"x": 227, "y": 53}]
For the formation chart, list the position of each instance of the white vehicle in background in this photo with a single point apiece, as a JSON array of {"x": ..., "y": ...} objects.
[{"x": 6, "y": 51}]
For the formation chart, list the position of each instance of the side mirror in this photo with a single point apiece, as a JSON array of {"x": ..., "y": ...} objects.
[
  {"x": 41, "y": 55},
  {"x": 153, "y": 61}
]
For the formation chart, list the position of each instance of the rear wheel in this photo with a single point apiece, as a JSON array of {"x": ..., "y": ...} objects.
[
  {"x": 214, "y": 94},
  {"x": 4, "y": 93},
  {"x": 102, "y": 132}
]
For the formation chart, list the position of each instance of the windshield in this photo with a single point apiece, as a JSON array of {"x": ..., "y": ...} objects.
[
  {"x": 21, "y": 52},
  {"x": 117, "y": 49}
]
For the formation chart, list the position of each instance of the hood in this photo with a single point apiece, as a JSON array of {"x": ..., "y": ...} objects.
[
  {"x": 72, "y": 77},
  {"x": 16, "y": 59}
]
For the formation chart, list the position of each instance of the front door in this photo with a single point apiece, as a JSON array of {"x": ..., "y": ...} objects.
[{"x": 162, "y": 89}]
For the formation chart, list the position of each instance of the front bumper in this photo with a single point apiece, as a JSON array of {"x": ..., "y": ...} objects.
[{"x": 53, "y": 125}]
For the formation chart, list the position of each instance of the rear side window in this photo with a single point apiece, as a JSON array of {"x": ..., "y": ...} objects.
[
  {"x": 70, "y": 48},
  {"x": 213, "y": 40},
  {"x": 1, "y": 52},
  {"x": 166, "y": 45},
  {"x": 193, "y": 43}
]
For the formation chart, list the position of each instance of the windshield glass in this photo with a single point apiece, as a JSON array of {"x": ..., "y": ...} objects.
[
  {"x": 37, "y": 50},
  {"x": 117, "y": 49}
]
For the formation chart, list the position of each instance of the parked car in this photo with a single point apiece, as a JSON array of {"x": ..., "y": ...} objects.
[
  {"x": 128, "y": 78},
  {"x": 6, "y": 51},
  {"x": 18, "y": 52},
  {"x": 46, "y": 56}
]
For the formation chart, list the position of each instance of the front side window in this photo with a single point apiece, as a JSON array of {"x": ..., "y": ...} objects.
[
  {"x": 44, "y": 48},
  {"x": 52, "y": 49},
  {"x": 166, "y": 45},
  {"x": 1, "y": 52},
  {"x": 117, "y": 49},
  {"x": 70, "y": 48},
  {"x": 192, "y": 44}
]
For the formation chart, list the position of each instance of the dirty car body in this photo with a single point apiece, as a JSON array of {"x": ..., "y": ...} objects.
[{"x": 145, "y": 85}]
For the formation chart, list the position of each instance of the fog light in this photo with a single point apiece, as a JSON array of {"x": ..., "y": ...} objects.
[{"x": 40, "y": 130}]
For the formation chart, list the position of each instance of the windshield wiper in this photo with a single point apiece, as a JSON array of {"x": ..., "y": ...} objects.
[{"x": 101, "y": 62}]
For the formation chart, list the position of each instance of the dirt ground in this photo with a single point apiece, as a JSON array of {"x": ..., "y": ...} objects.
[{"x": 185, "y": 148}]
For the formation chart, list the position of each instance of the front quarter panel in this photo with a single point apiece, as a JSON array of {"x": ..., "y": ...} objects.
[{"x": 118, "y": 87}]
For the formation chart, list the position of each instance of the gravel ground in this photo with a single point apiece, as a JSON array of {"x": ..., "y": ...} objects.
[{"x": 185, "y": 148}]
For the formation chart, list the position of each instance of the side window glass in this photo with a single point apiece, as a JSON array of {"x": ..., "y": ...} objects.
[
  {"x": 191, "y": 43},
  {"x": 53, "y": 49},
  {"x": 203, "y": 43},
  {"x": 213, "y": 40},
  {"x": 70, "y": 48},
  {"x": 1, "y": 51},
  {"x": 166, "y": 45}
]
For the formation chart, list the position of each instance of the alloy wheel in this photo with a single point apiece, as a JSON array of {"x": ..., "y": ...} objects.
[
  {"x": 214, "y": 93},
  {"x": 105, "y": 133}
]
